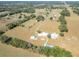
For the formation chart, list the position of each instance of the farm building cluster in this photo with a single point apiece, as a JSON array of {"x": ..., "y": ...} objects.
[{"x": 45, "y": 34}]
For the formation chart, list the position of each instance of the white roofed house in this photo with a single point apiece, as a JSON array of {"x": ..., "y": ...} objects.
[{"x": 43, "y": 37}]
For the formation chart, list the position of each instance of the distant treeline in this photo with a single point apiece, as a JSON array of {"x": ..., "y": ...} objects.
[
  {"x": 29, "y": 2},
  {"x": 73, "y": 3}
]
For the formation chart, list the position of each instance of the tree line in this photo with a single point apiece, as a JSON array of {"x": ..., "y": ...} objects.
[
  {"x": 16, "y": 42},
  {"x": 75, "y": 10},
  {"x": 63, "y": 23},
  {"x": 54, "y": 51},
  {"x": 15, "y": 11},
  {"x": 18, "y": 22}
]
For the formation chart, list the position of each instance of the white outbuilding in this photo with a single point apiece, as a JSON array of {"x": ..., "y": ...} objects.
[
  {"x": 42, "y": 34},
  {"x": 54, "y": 36}
]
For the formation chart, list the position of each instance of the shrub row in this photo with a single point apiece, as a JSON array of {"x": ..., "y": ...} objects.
[
  {"x": 18, "y": 22},
  {"x": 76, "y": 10},
  {"x": 3, "y": 15},
  {"x": 40, "y": 18},
  {"x": 16, "y": 42},
  {"x": 1, "y": 32},
  {"x": 65, "y": 12},
  {"x": 55, "y": 51},
  {"x": 29, "y": 10},
  {"x": 63, "y": 24},
  {"x": 2, "y": 10},
  {"x": 14, "y": 12}
]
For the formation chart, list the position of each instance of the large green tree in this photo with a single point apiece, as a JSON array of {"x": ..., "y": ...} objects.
[
  {"x": 55, "y": 51},
  {"x": 40, "y": 18}
]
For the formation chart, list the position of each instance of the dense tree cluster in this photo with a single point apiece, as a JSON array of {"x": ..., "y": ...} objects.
[
  {"x": 3, "y": 15},
  {"x": 63, "y": 24},
  {"x": 1, "y": 32},
  {"x": 19, "y": 22},
  {"x": 2, "y": 10},
  {"x": 20, "y": 16},
  {"x": 62, "y": 19},
  {"x": 29, "y": 10},
  {"x": 65, "y": 12},
  {"x": 15, "y": 11},
  {"x": 63, "y": 28},
  {"x": 55, "y": 51},
  {"x": 51, "y": 18},
  {"x": 16, "y": 23},
  {"x": 61, "y": 34},
  {"x": 32, "y": 16},
  {"x": 40, "y": 18},
  {"x": 5, "y": 39},
  {"x": 76, "y": 10},
  {"x": 16, "y": 42}
]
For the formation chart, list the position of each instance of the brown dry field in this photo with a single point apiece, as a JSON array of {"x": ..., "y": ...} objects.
[
  {"x": 72, "y": 37},
  {"x": 69, "y": 41},
  {"x": 25, "y": 32}
]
